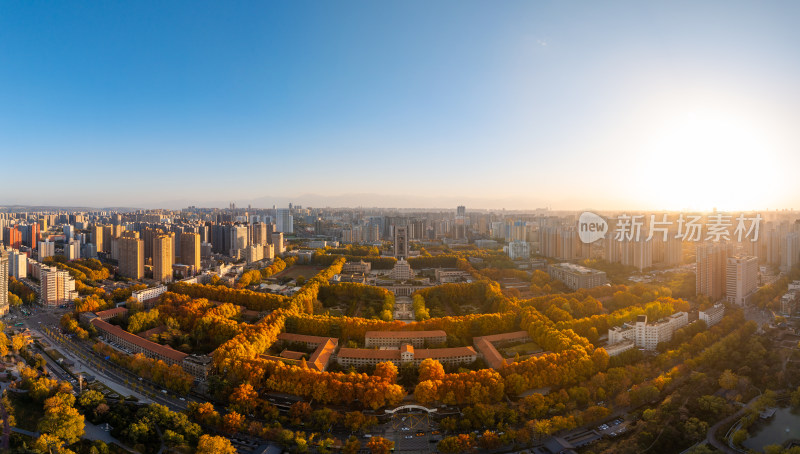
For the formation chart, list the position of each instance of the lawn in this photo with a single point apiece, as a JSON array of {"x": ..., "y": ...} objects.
[{"x": 295, "y": 271}]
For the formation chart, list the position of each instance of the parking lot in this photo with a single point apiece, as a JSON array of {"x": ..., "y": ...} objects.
[
  {"x": 412, "y": 432},
  {"x": 613, "y": 428}
]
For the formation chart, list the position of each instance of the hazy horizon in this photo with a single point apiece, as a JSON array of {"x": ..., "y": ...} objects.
[
  {"x": 630, "y": 105},
  {"x": 374, "y": 201}
]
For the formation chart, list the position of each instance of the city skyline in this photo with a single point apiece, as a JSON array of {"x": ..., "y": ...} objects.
[{"x": 532, "y": 105}]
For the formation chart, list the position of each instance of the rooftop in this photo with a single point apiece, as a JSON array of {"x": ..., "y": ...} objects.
[
  {"x": 159, "y": 349},
  {"x": 111, "y": 313},
  {"x": 503, "y": 337},
  {"x": 289, "y": 337},
  {"x": 405, "y": 334},
  {"x": 433, "y": 353},
  {"x": 576, "y": 268},
  {"x": 367, "y": 353}
]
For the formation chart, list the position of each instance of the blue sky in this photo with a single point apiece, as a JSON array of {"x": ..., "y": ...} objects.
[{"x": 495, "y": 104}]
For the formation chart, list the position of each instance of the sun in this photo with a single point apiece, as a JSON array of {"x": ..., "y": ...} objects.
[{"x": 700, "y": 160}]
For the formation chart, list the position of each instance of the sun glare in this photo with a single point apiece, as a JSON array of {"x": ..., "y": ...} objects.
[{"x": 708, "y": 159}]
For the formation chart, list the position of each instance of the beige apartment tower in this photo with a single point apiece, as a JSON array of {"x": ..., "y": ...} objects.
[
  {"x": 4, "y": 268},
  {"x": 190, "y": 250},
  {"x": 108, "y": 234},
  {"x": 260, "y": 234},
  {"x": 97, "y": 237},
  {"x": 163, "y": 252},
  {"x": 131, "y": 255},
  {"x": 712, "y": 261},
  {"x": 742, "y": 279}
]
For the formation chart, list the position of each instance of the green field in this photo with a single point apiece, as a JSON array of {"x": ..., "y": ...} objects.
[{"x": 295, "y": 271}]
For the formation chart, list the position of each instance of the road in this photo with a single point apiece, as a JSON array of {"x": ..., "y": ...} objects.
[{"x": 45, "y": 323}]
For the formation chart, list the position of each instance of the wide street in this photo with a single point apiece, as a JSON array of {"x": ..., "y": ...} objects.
[{"x": 45, "y": 324}]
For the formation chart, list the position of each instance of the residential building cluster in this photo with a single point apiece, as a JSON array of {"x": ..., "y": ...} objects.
[{"x": 644, "y": 335}]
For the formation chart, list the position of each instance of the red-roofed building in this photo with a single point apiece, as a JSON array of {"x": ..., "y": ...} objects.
[
  {"x": 398, "y": 338},
  {"x": 111, "y": 313},
  {"x": 405, "y": 354},
  {"x": 197, "y": 365},
  {"x": 289, "y": 354},
  {"x": 486, "y": 346}
]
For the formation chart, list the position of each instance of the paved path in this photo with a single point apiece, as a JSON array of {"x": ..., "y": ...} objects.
[{"x": 711, "y": 437}]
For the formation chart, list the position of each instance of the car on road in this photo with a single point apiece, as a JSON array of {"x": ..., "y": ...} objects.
[{"x": 409, "y": 436}]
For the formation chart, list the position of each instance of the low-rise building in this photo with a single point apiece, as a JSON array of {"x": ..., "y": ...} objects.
[
  {"x": 149, "y": 293},
  {"x": 713, "y": 315},
  {"x": 487, "y": 346},
  {"x": 111, "y": 313},
  {"x": 647, "y": 335},
  {"x": 447, "y": 276},
  {"x": 398, "y": 338},
  {"x": 402, "y": 271},
  {"x": 324, "y": 348},
  {"x": 405, "y": 354},
  {"x": 577, "y": 276},
  {"x": 518, "y": 250},
  {"x": 197, "y": 365},
  {"x": 619, "y": 347},
  {"x": 621, "y": 333},
  {"x": 359, "y": 267}
]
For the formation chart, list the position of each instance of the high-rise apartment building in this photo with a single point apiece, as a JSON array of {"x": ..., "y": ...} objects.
[
  {"x": 638, "y": 254},
  {"x": 790, "y": 252},
  {"x": 69, "y": 232},
  {"x": 190, "y": 250},
  {"x": 72, "y": 250},
  {"x": 712, "y": 260},
  {"x": 673, "y": 251},
  {"x": 742, "y": 279},
  {"x": 238, "y": 235},
  {"x": 12, "y": 237},
  {"x": 612, "y": 253},
  {"x": 18, "y": 264},
  {"x": 97, "y": 237},
  {"x": 568, "y": 248},
  {"x": 284, "y": 220},
  {"x": 519, "y": 250},
  {"x": 277, "y": 243},
  {"x": 162, "y": 257},
  {"x": 131, "y": 255},
  {"x": 401, "y": 242},
  {"x": 56, "y": 287},
  {"x": 260, "y": 234},
  {"x": 30, "y": 234},
  {"x": 46, "y": 249},
  {"x": 108, "y": 234},
  {"x": 3, "y": 281}
]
